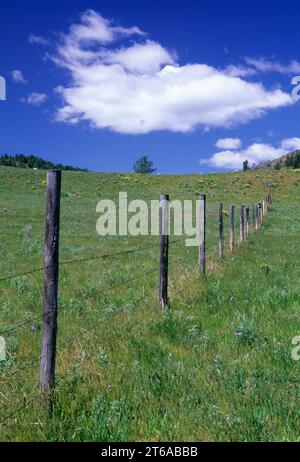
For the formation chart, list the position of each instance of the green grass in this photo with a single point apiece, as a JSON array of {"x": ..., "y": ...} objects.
[{"x": 216, "y": 366}]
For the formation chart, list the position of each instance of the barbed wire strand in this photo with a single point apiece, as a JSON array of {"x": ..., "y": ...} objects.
[
  {"x": 33, "y": 361},
  {"x": 24, "y": 406},
  {"x": 105, "y": 290},
  {"x": 86, "y": 259},
  {"x": 71, "y": 341}
]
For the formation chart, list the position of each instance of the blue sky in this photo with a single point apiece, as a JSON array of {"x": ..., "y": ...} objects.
[{"x": 197, "y": 86}]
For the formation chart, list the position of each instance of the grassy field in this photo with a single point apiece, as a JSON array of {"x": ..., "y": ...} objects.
[{"x": 216, "y": 366}]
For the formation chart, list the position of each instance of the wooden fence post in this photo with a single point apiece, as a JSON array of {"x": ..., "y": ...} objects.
[
  {"x": 221, "y": 231},
  {"x": 256, "y": 217},
  {"x": 253, "y": 217},
  {"x": 242, "y": 224},
  {"x": 260, "y": 213},
  {"x": 202, "y": 232},
  {"x": 270, "y": 193},
  {"x": 51, "y": 262},
  {"x": 232, "y": 240},
  {"x": 164, "y": 251},
  {"x": 247, "y": 221}
]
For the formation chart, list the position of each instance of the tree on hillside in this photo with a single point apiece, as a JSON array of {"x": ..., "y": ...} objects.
[
  {"x": 144, "y": 166},
  {"x": 246, "y": 166}
]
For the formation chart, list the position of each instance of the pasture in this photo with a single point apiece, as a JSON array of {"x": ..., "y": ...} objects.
[{"x": 215, "y": 366}]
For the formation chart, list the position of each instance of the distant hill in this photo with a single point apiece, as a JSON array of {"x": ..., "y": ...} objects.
[
  {"x": 33, "y": 162},
  {"x": 291, "y": 161}
]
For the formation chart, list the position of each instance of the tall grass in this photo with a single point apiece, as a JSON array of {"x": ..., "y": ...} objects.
[{"x": 216, "y": 366}]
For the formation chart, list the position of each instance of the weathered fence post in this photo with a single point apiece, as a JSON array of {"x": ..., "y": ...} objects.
[
  {"x": 231, "y": 239},
  {"x": 51, "y": 262},
  {"x": 164, "y": 251},
  {"x": 221, "y": 231},
  {"x": 254, "y": 217},
  {"x": 242, "y": 224},
  {"x": 202, "y": 232},
  {"x": 270, "y": 194},
  {"x": 247, "y": 221},
  {"x": 260, "y": 213}
]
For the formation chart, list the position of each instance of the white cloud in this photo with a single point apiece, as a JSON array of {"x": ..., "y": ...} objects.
[
  {"x": 262, "y": 65},
  {"x": 140, "y": 58},
  {"x": 18, "y": 77},
  {"x": 256, "y": 153},
  {"x": 229, "y": 143},
  {"x": 35, "y": 99},
  {"x": 140, "y": 87},
  {"x": 239, "y": 71},
  {"x": 267, "y": 65},
  {"x": 95, "y": 29},
  {"x": 291, "y": 144},
  {"x": 35, "y": 39}
]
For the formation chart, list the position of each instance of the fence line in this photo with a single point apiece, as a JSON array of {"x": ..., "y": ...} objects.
[{"x": 52, "y": 264}]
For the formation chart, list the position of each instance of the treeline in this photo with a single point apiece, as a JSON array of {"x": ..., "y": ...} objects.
[
  {"x": 22, "y": 161},
  {"x": 292, "y": 160}
]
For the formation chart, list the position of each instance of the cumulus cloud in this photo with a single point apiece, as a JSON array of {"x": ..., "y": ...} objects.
[
  {"x": 229, "y": 143},
  {"x": 256, "y": 153},
  {"x": 18, "y": 77},
  {"x": 139, "y": 87},
  {"x": 291, "y": 144},
  {"x": 140, "y": 58},
  {"x": 35, "y": 99},
  {"x": 35, "y": 39}
]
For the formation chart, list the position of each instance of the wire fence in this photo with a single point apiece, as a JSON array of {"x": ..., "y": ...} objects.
[{"x": 218, "y": 230}]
